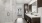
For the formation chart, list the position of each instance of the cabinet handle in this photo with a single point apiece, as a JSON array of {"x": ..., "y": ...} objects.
[{"x": 27, "y": 20}]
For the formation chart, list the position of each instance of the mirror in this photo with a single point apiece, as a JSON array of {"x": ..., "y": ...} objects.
[
  {"x": 34, "y": 7},
  {"x": 31, "y": 7}
]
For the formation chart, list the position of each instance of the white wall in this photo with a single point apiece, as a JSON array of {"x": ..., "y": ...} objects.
[
  {"x": 2, "y": 12},
  {"x": 27, "y": 1},
  {"x": 40, "y": 13}
]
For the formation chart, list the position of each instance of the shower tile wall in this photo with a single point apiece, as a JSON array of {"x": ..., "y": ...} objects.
[{"x": 4, "y": 8}]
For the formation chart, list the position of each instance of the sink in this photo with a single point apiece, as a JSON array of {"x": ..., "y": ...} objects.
[{"x": 35, "y": 15}]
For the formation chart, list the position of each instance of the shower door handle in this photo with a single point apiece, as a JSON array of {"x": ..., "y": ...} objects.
[{"x": 8, "y": 14}]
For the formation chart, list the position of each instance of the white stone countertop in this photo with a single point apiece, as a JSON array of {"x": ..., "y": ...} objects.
[{"x": 32, "y": 16}]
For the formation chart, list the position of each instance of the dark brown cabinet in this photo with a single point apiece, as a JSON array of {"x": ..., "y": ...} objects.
[
  {"x": 33, "y": 20},
  {"x": 27, "y": 18},
  {"x": 39, "y": 3}
]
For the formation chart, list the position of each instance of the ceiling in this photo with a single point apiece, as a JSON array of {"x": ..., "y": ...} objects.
[
  {"x": 22, "y": 1},
  {"x": 26, "y": 1},
  {"x": 32, "y": 2}
]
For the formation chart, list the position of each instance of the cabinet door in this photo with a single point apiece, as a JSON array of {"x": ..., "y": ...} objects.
[
  {"x": 39, "y": 3},
  {"x": 36, "y": 20}
]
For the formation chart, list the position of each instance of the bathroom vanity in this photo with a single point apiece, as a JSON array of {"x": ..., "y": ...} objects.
[
  {"x": 32, "y": 18},
  {"x": 31, "y": 12}
]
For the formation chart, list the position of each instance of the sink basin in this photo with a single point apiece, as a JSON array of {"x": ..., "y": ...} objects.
[{"x": 35, "y": 15}]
